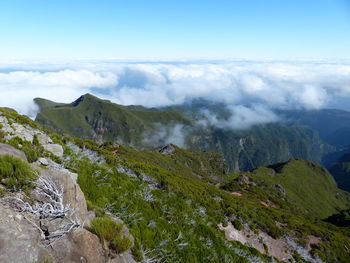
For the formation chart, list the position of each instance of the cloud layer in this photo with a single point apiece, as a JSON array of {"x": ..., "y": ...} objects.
[{"x": 251, "y": 90}]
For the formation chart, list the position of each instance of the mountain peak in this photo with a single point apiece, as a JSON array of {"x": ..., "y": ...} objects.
[{"x": 82, "y": 98}]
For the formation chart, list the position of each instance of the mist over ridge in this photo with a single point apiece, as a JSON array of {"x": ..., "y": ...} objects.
[{"x": 250, "y": 90}]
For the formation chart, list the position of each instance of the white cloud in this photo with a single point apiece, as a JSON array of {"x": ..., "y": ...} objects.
[
  {"x": 261, "y": 85},
  {"x": 242, "y": 117},
  {"x": 166, "y": 134}
]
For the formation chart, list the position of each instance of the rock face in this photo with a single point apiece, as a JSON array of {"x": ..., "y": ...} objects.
[
  {"x": 80, "y": 246},
  {"x": 27, "y": 133},
  {"x": 72, "y": 192},
  {"x": 18, "y": 240},
  {"x": 21, "y": 240},
  {"x": 27, "y": 234},
  {"x": 56, "y": 149},
  {"x": 168, "y": 149},
  {"x": 8, "y": 149}
]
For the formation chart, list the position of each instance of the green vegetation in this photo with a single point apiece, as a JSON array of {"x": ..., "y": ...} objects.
[
  {"x": 168, "y": 205},
  {"x": 173, "y": 203},
  {"x": 303, "y": 186},
  {"x": 111, "y": 232},
  {"x": 261, "y": 145},
  {"x": 341, "y": 172},
  {"x": 15, "y": 174},
  {"x": 98, "y": 119},
  {"x": 31, "y": 150},
  {"x": 18, "y": 118},
  {"x": 340, "y": 219},
  {"x": 237, "y": 224}
]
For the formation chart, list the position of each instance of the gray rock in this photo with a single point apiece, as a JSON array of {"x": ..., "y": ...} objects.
[
  {"x": 243, "y": 179},
  {"x": 19, "y": 241},
  {"x": 56, "y": 149},
  {"x": 280, "y": 188},
  {"x": 43, "y": 161},
  {"x": 123, "y": 258},
  {"x": 80, "y": 246},
  {"x": 72, "y": 191},
  {"x": 25, "y": 133},
  {"x": 43, "y": 139},
  {"x": 10, "y": 150},
  {"x": 168, "y": 149}
]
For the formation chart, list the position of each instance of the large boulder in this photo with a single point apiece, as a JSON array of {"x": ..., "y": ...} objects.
[
  {"x": 10, "y": 150},
  {"x": 80, "y": 246},
  {"x": 48, "y": 145},
  {"x": 72, "y": 192},
  {"x": 54, "y": 148},
  {"x": 19, "y": 240}
]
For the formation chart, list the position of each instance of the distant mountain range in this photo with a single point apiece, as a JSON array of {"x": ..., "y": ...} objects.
[
  {"x": 320, "y": 136},
  {"x": 167, "y": 204}
]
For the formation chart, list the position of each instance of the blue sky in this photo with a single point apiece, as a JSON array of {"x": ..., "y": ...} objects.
[{"x": 252, "y": 29}]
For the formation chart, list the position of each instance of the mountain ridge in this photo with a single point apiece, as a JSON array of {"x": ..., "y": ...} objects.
[
  {"x": 185, "y": 202},
  {"x": 146, "y": 128}
]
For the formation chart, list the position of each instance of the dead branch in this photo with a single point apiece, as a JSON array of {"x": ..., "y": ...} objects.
[{"x": 46, "y": 208}]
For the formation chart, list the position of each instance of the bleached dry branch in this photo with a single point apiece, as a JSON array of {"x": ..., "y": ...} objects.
[
  {"x": 51, "y": 205},
  {"x": 47, "y": 207}
]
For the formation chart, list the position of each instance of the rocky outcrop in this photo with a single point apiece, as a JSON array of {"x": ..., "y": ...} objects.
[
  {"x": 72, "y": 193},
  {"x": 168, "y": 149},
  {"x": 8, "y": 149},
  {"x": 27, "y": 133},
  {"x": 21, "y": 242},
  {"x": 79, "y": 245},
  {"x": 281, "y": 248},
  {"x": 24, "y": 235}
]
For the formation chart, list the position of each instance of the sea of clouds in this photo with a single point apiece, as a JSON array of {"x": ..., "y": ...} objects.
[{"x": 251, "y": 90}]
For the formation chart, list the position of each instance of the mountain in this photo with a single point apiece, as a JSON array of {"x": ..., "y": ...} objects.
[
  {"x": 332, "y": 125},
  {"x": 168, "y": 204},
  {"x": 341, "y": 172},
  {"x": 100, "y": 120},
  {"x": 260, "y": 145},
  {"x": 284, "y": 178}
]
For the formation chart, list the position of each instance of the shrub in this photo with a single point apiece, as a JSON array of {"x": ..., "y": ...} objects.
[
  {"x": 106, "y": 228},
  {"x": 2, "y": 134},
  {"x": 31, "y": 154},
  {"x": 121, "y": 244},
  {"x": 237, "y": 224},
  {"x": 136, "y": 250},
  {"x": 15, "y": 173},
  {"x": 36, "y": 140},
  {"x": 111, "y": 232},
  {"x": 98, "y": 211}
]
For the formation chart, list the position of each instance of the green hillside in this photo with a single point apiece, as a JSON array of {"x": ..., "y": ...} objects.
[
  {"x": 332, "y": 125},
  {"x": 260, "y": 145},
  {"x": 100, "y": 120},
  {"x": 305, "y": 185},
  {"x": 341, "y": 172},
  {"x": 174, "y": 201},
  {"x": 93, "y": 118}
]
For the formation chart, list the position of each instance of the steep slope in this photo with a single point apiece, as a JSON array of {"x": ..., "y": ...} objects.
[
  {"x": 43, "y": 212},
  {"x": 332, "y": 125},
  {"x": 308, "y": 186},
  {"x": 93, "y": 118},
  {"x": 260, "y": 145},
  {"x": 178, "y": 205},
  {"x": 341, "y": 172},
  {"x": 90, "y": 117}
]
